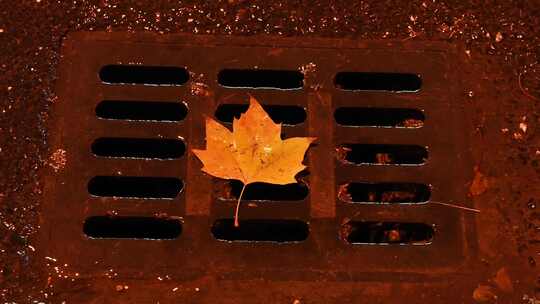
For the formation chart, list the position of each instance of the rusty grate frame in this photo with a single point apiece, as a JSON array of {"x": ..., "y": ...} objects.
[{"x": 323, "y": 255}]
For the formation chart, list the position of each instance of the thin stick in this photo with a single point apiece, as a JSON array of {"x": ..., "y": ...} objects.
[
  {"x": 236, "y": 224},
  {"x": 458, "y": 207},
  {"x": 523, "y": 89}
]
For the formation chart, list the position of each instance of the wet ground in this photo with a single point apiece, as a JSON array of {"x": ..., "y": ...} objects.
[{"x": 501, "y": 40}]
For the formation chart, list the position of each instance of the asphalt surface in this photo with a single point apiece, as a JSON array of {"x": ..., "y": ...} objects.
[{"x": 501, "y": 38}]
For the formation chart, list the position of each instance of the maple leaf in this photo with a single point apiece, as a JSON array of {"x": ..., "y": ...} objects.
[{"x": 253, "y": 152}]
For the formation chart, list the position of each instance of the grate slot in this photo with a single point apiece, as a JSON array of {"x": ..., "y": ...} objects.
[
  {"x": 288, "y": 115},
  {"x": 261, "y": 79},
  {"x": 264, "y": 192},
  {"x": 401, "y": 193},
  {"x": 383, "y": 154},
  {"x": 135, "y": 187},
  {"x": 384, "y": 233},
  {"x": 379, "y": 117},
  {"x": 125, "y": 227},
  {"x": 142, "y": 110},
  {"x": 261, "y": 230},
  {"x": 375, "y": 81},
  {"x": 138, "y": 148},
  {"x": 139, "y": 74}
]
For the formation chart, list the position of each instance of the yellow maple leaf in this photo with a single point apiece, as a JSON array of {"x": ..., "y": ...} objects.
[{"x": 253, "y": 152}]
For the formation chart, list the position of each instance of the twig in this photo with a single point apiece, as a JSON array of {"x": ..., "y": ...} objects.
[
  {"x": 457, "y": 206},
  {"x": 523, "y": 89},
  {"x": 414, "y": 35},
  {"x": 236, "y": 224}
]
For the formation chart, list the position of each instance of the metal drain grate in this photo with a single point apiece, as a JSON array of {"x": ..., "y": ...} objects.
[{"x": 132, "y": 197}]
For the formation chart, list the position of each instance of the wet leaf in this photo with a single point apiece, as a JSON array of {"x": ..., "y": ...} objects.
[
  {"x": 502, "y": 280},
  {"x": 253, "y": 151},
  {"x": 484, "y": 293},
  {"x": 479, "y": 184}
]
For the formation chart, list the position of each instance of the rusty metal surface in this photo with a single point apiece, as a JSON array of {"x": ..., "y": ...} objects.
[{"x": 323, "y": 255}]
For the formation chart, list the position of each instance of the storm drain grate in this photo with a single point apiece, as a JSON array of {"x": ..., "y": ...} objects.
[{"x": 132, "y": 196}]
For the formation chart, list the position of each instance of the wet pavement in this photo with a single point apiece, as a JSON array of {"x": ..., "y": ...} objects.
[{"x": 502, "y": 85}]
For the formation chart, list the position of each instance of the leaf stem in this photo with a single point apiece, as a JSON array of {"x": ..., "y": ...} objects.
[{"x": 236, "y": 223}]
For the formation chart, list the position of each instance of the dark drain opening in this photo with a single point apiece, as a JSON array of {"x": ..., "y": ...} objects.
[
  {"x": 261, "y": 230},
  {"x": 138, "y": 147},
  {"x": 404, "y": 193},
  {"x": 141, "y": 110},
  {"x": 138, "y": 74},
  {"x": 264, "y": 192},
  {"x": 387, "y": 233},
  {"x": 373, "y": 81},
  {"x": 379, "y": 117},
  {"x": 135, "y": 187},
  {"x": 124, "y": 227},
  {"x": 261, "y": 79},
  {"x": 288, "y": 115},
  {"x": 383, "y": 154}
]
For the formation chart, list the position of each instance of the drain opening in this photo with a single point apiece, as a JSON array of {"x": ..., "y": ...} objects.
[
  {"x": 264, "y": 230},
  {"x": 125, "y": 227},
  {"x": 373, "y": 81},
  {"x": 263, "y": 192},
  {"x": 379, "y": 117},
  {"x": 138, "y": 147},
  {"x": 382, "y": 233},
  {"x": 288, "y": 115},
  {"x": 261, "y": 79},
  {"x": 382, "y": 154},
  {"x": 401, "y": 193},
  {"x": 135, "y": 187},
  {"x": 141, "y": 110},
  {"x": 138, "y": 74}
]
